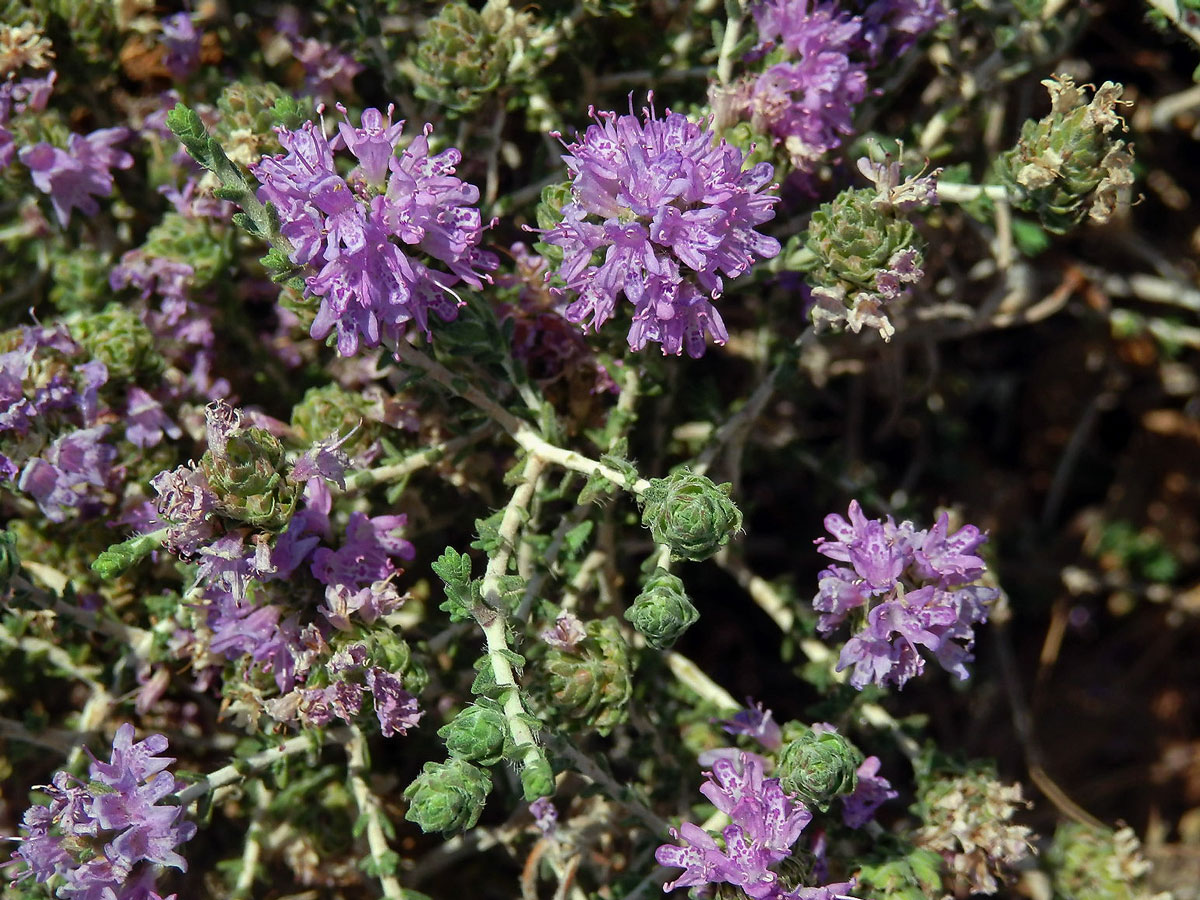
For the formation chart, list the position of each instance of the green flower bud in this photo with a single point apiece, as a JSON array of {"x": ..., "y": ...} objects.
[
  {"x": 589, "y": 685},
  {"x": 477, "y": 734},
  {"x": 447, "y": 797},
  {"x": 537, "y": 778},
  {"x": 120, "y": 340},
  {"x": 662, "y": 611},
  {"x": 461, "y": 58},
  {"x": 818, "y": 766},
  {"x": 1067, "y": 166},
  {"x": 247, "y": 477},
  {"x": 1088, "y": 863},
  {"x": 10, "y": 560},
  {"x": 332, "y": 409},
  {"x": 690, "y": 514},
  {"x": 916, "y": 875}
]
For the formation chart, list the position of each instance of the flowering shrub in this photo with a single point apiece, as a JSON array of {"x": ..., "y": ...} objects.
[{"x": 440, "y": 560}]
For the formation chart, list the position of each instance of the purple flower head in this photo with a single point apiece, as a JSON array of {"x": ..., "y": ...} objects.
[
  {"x": 185, "y": 502},
  {"x": 76, "y": 176},
  {"x": 673, "y": 212},
  {"x": 765, "y": 823},
  {"x": 363, "y": 237},
  {"x": 894, "y": 26},
  {"x": 95, "y": 837},
  {"x": 328, "y": 72},
  {"x": 806, "y": 97},
  {"x": 567, "y": 632},
  {"x": 916, "y": 590}
]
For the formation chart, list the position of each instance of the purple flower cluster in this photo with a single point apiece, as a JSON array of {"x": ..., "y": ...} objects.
[
  {"x": 361, "y": 234},
  {"x": 906, "y": 588},
  {"x": 806, "y": 98},
  {"x": 105, "y": 839},
  {"x": 671, "y": 210},
  {"x": 764, "y": 824}
]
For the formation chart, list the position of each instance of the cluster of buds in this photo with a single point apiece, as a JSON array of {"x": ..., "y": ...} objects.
[
  {"x": 447, "y": 796},
  {"x": 587, "y": 676},
  {"x": 663, "y": 611},
  {"x": 1098, "y": 863}
]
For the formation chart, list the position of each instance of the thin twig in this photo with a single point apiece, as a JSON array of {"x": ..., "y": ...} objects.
[{"x": 370, "y": 807}]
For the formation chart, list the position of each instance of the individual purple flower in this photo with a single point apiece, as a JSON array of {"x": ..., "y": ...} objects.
[
  {"x": 185, "y": 503},
  {"x": 567, "y": 632},
  {"x": 104, "y": 839},
  {"x": 906, "y": 589},
  {"x": 545, "y": 816},
  {"x": 363, "y": 237},
  {"x": 395, "y": 707},
  {"x": 758, "y": 723},
  {"x": 673, "y": 212},
  {"x": 870, "y": 792},
  {"x": 182, "y": 40},
  {"x": 145, "y": 421},
  {"x": 76, "y": 176},
  {"x": 152, "y": 275}
]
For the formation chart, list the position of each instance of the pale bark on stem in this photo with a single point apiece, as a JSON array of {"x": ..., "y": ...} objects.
[
  {"x": 370, "y": 807},
  {"x": 235, "y": 772},
  {"x": 523, "y": 433},
  {"x": 414, "y": 463},
  {"x": 494, "y": 622}
]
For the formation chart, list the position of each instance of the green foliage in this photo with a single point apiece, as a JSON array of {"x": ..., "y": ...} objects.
[{"x": 589, "y": 685}]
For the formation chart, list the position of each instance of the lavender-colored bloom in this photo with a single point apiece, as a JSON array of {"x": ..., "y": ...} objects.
[
  {"x": 185, "y": 503},
  {"x": 328, "y": 72},
  {"x": 758, "y": 723},
  {"x": 146, "y": 423},
  {"x": 366, "y": 555},
  {"x": 545, "y": 816},
  {"x": 870, "y": 792},
  {"x": 76, "y": 176},
  {"x": 567, "y": 632},
  {"x": 360, "y": 234},
  {"x": 151, "y": 275},
  {"x": 62, "y": 478},
  {"x": 894, "y": 26},
  {"x": 805, "y": 99},
  {"x": 117, "y": 817},
  {"x": 916, "y": 588},
  {"x": 367, "y": 604},
  {"x": 672, "y": 211},
  {"x": 764, "y": 825},
  {"x": 182, "y": 41},
  {"x": 395, "y": 707}
]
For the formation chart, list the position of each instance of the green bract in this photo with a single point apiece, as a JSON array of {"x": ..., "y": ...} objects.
[
  {"x": 590, "y": 685},
  {"x": 478, "y": 734},
  {"x": 461, "y": 59},
  {"x": 247, "y": 478},
  {"x": 1090, "y": 863},
  {"x": 1067, "y": 165},
  {"x": 690, "y": 514},
  {"x": 855, "y": 240},
  {"x": 447, "y": 797},
  {"x": 662, "y": 611},
  {"x": 818, "y": 766}
]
